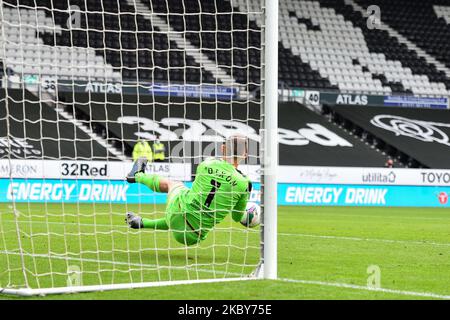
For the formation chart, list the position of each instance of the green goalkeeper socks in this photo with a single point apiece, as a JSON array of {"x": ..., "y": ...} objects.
[
  {"x": 159, "y": 224},
  {"x": 149, "y": 180},
  {"x": 152, "y": 182}
]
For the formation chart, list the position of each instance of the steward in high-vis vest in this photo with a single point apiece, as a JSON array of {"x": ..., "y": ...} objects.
[
  {"x": 142, "y": 149},
  {"x": 159, "y": 151}
]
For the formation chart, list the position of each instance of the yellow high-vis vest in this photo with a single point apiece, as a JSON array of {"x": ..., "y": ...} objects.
[
  {"x": 159, "y": 151},
  {"x": 142, "y": 149}
]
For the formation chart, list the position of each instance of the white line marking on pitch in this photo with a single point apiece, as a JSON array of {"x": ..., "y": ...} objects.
[
  {"x": 363, "y": 239},
  {"x": 356, "y": 287}
]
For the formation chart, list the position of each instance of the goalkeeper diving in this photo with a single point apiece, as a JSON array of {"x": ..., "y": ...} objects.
[{"x": 219, "y": 189}]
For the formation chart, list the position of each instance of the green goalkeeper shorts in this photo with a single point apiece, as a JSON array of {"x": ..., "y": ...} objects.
[{"x": 176, "y": 218}]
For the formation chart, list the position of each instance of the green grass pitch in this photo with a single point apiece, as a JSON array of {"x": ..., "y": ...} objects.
[{"x": 323, "y": 253}]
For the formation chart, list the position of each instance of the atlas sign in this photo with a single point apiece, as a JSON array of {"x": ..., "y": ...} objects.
[{"x": 352, "y": 99}]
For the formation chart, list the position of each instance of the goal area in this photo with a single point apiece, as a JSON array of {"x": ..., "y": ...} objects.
[{"x": 87, "y": 86}]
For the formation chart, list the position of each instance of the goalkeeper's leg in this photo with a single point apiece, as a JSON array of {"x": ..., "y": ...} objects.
[
  {"x": 153, "y": 181},
  {"x": 157, "y": 184},
  {"x": 174, "y": 217}
]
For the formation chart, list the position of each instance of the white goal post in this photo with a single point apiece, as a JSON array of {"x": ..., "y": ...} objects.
[{"x": 81, "y": 84}]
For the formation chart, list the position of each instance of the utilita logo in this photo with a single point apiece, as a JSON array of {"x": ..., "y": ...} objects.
[
  {"x": 378, "y": 177},
  {"x": 443, "y": 198}
]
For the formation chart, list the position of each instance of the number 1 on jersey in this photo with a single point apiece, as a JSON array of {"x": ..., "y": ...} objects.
[{"x": 212, "y": 193}]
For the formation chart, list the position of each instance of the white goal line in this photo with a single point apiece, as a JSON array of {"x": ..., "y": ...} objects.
[{"x": 367, "y": 288}]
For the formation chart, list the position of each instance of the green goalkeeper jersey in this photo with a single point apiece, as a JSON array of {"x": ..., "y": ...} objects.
[{"x": 218, "y": 189}]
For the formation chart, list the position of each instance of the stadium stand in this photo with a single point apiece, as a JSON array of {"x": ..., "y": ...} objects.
[
  {"x": 333, "y": 38},
  {"x": 35, "y": 130},
  {"x": 126, "y": 117},
  {"x": 225, "y": 38},
  {"x": 25, "y": 53},
  {"x": 305, "y": 137},
  {"x": 420, "y": 134},
  {"x": 324, "y": 44},
  {"x": 422, "y": 22},
  {"x": 139, "y": 52},
  {"x": 320, "y": 142}
]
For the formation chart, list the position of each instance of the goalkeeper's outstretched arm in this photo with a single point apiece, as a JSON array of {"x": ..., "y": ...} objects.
[
  {"x": 239, "y": 209},
  {"x": 238, "y": 212}
]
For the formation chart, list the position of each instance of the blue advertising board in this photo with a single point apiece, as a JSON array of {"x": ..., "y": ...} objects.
[
  {"x": 71, "y": 191},
  {"x": 84, "y": 191},
  {"x": 362, "y": 195},
  {"x": 204, "y": 91},
  {"x": 116, "y": 191},
  {"x": 416, "y": 102}
]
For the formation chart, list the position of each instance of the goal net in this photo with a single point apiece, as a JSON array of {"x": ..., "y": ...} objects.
[{"x": 83, "y": 82}]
